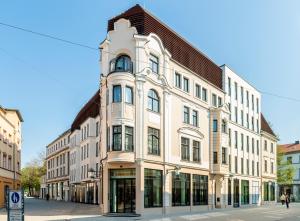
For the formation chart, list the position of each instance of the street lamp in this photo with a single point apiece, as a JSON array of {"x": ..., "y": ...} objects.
[
  {"x": 176, "y": 169},
  {"x": 93, "y": 173}
]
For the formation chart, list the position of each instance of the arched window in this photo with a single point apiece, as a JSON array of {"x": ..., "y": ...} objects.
[
  {"x": 153, "y": 101},
  {"x": 121, "y": 63}
]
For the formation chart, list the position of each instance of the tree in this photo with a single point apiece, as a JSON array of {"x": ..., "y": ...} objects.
[
  {"x": 32, "y": 172},
  {"x": 285, "y": 170}
]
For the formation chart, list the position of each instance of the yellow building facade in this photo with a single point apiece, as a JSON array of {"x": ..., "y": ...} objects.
[{"x": 10, "y": 151}]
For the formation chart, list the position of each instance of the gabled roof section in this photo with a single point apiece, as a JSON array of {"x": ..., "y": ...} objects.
[
  {"x": 90, "y": 109},
  {"x": 181, "y": 50},
  {"x": 289, "y": 148},
  {"x": 266, "y": 127}
]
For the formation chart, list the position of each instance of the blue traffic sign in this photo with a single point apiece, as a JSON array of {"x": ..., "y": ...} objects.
[{"x": 15, "y": 197}]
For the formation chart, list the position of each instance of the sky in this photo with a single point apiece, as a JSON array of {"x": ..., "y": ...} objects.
[{"x": 49, "y": 81}]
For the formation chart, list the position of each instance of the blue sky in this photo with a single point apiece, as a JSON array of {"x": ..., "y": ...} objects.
[{"x": 49, "y": 81}]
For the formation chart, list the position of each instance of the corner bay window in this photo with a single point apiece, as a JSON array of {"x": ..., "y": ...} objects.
[
  {"x": 117, "y": 93},
  {"x": 181, "y": 189},
  {"x": 153, "y": 188},
  {"x": 121, "y": 63},
  {"x": 117, "y": 138},
  {"x": 215, "y": 125},
  {"x": 185, "y": 149},
  {"x": 153, "y": 101},
  {"x": 128, "y": 138},
  {"x": 128, "y": 95},
  {"x": 200, "y": 190},
  {"x": 153, "y": 141}
]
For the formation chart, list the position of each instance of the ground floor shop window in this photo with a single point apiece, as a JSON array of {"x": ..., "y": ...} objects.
[
  {"x": 245, "y": 192},
  {"x": 200, "y": 190},
  {"x": 255, "y": 192},
  {"x": 153, "y": 188},
  {"x": 266, "y": 191},
  {"x": 181, "y": 189},
  {"x": 272, "y": 191},
  {"x": 229, "y": 192}
]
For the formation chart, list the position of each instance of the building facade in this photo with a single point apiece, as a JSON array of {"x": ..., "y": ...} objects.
[
  {"x": 85, "y": 153},
  {"x": 178, "y": 133},
  {"x": 10, "y": 151},
  {"x": 292, "y": 155},
  {"x": 169, "y": 130},
  {"x": 58, "y": 167}
]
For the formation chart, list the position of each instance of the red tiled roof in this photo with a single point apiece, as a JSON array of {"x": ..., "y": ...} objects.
[
  {"x": 181, "y": 51},
  {"x": 265, "y": 126},
  {"x": 289, "y": 148},
  {"x": 90, "y": 109}
]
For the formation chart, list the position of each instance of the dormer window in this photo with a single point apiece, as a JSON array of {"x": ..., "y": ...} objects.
[{"x": 121, "y": 64}]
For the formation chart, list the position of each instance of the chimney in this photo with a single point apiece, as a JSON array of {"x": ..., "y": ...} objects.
[{"x": 297, "y": 142}]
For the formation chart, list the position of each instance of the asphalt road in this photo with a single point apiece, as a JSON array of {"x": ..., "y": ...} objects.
[{"x": 41, "y": 210}]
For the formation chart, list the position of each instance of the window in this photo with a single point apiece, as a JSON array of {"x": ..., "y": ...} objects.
[
  {"x": 248, "y": 144},
  {"x": 153, "y": 188},
  {"x": 247, "y": 162},
  {"x": 229, "y": 86},
  {"x": 272, "y": 167},
  {"x": 108, "y": 139},
  {"x": 252, "y": 145},
  {"x": 97, "y": 129},
  {"x": 242, "y": 165},
  {"x": 252, "y": 101},
  {"x": 242, "y": 118},
  {"x": 266, "y": 191},
  {"x": 252, "y": 122},
  {"x": 236, "y": 139},
  {"x": 128, "y": 95},
  {"x": 117, "y": 138},
  {"x": 186, "y": 115},
  {"x": 200, "y": 190},
  {"x": 177, "y": 80},
  {"x": 122, "y": 63},
  {"x": 128, "y": 138},
  {"x": 153, "y": 141},
  {"x": 224, "y": 127},
  {"x": 87, "y": 150},
  {"x": 230, "y": 138},
  {"x": 266, "y": 146},
  {"x": 257, "y": 105},
  {"x": 195, "y": 118},
  {"x": 272, "y": 148},
  {"x": 154, "y": 62},
  {"x": 236, "y": 90},
  {"x": 215, "y": 157},
  {"x": 236, "y": 114},
  {"x": 214, "y": 100},
  {"x": 257, "y": 147},
  {"x": 224, "y": 161},
  {"x": 247, "y": 118},
  {"x": 236, "y": 164},
  {"x": 186, "y": 84},
  {"x": 196, "y": 151},
  {"x": 289, "y": 160},
  {"x": 185, "y": 149},
  {"x": 198, "y": 91},
  {"x": 215, "y": 125},
  {"x": 245, "y": 192},
  {"x": 181, "y": 189},
  {"x": 242, "y": 141},
  {"x": 257, "y": 168},
  {"x": 266, "y": 166},
  {"x": 219, "y": 102},
  {"x": 229, "y": 162},
  {"x": 153, "y": 101},
  {"x": 252, "y": 167},
  {"x": 117, "y": 93},
  {"x": 242, "y": 95},
  {"x": 204, "y": 94},
  {"x": 247, "y": 98}
]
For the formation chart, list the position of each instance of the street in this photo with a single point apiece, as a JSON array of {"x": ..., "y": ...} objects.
[{"x": 41, "y": 210}]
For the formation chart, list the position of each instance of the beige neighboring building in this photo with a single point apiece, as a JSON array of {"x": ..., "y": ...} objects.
[
  {"x": 10, "y": 151},
  {"x": 58, "y": 167},
  {"x": 268, "y": 163}
]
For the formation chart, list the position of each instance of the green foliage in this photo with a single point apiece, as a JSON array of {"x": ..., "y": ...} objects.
[
  {"x": 31, "y": 174},
  {"x": 285, "y": 170}
]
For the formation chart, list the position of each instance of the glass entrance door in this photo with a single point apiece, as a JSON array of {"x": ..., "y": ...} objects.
[
  {"x": 122, "y": 192},
  {"x": 236, "y": 193}
]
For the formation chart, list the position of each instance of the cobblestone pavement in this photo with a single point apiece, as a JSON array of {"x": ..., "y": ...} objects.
[{"x": 41, "y": 210}]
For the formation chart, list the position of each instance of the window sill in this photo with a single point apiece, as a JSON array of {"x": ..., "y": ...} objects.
[{"x": 154, "y": 112}]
